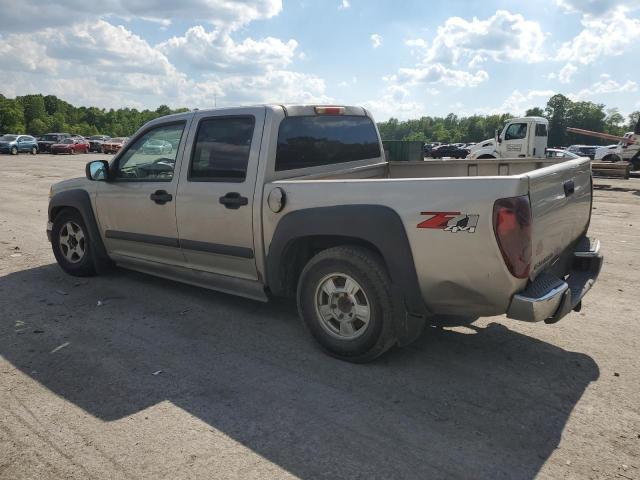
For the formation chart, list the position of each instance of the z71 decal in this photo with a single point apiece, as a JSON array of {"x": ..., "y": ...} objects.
[{"x": 450, "y": 221}]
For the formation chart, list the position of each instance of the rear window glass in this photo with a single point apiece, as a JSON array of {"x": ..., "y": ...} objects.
[
  {"x": 541, "y": 130},
  {"x": 325, "y": 140}
]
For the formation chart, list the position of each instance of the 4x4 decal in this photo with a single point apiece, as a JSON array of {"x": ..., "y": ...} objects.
[{"x": 450, "y": 221}]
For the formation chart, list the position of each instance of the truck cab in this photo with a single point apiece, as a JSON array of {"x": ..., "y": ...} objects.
[{"x": 523, "y": 137}]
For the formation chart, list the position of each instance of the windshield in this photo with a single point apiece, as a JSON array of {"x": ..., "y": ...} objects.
[
  {"x": 67, "y": 140},
  {"x": 51, "y": 138},
  {"x": 95, "y": 137},
  {"x": 117, "y": 140},
  {"x": 8, "y": 138}
]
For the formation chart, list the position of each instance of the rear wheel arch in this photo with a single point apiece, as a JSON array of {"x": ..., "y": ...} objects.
[
  {"x": 375, "y": 227},
  {"x": 485, "y": 156}
]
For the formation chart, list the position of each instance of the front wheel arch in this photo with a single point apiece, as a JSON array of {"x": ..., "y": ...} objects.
[{"x": 79, "y": 200}]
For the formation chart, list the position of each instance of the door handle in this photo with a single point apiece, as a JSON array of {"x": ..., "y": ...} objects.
[
  {"x": 233, "y": 200},
  {"x": 569, "y": 188},
  {"x": 161, "y": 197}
]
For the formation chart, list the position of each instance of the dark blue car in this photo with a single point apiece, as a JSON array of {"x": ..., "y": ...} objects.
[{"x": 15, "y": 144}]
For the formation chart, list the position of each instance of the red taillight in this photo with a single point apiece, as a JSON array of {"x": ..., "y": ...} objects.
[
  {"x": 329, "y": 110},
  {"x": 512, "y": 226}
]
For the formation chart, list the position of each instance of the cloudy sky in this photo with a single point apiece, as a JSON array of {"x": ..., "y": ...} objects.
[{"x": 400, "y": 58}]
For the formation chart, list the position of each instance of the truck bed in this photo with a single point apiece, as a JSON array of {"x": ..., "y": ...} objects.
[
  {"x": 464, "y": 272},
  {"x": 438, "y": 168}
]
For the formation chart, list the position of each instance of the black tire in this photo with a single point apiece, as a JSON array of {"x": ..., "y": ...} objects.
[
  {"x": 34, "y": 151},
  {"x": 367, "y": 269},
  {"x": 14, "y": 150},
  {"x": 85, "y": 267},
  {"x": 482, "y": 157}
]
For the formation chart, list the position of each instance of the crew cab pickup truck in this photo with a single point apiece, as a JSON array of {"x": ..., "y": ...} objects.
[{"x": 298, "y": 201}]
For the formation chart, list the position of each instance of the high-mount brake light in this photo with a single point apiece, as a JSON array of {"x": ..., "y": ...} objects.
[
  {"x": 329, "y": 110},
  {"x": 512, "y": 227}
]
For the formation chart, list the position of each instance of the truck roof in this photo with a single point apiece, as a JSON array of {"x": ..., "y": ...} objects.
[
  {"x": 528, "y": 119},
  {"x": 291, "y": 110}
]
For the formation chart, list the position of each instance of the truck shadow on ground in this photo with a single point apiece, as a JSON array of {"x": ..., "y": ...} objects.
[
  {"x": 478, "y": 402},
  {"x": 633, "y": 189}
]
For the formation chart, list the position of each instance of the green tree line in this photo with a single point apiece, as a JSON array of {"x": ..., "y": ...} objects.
[
  {"x": 561, "y": 112},
  {"x": 40, "y": 114}
]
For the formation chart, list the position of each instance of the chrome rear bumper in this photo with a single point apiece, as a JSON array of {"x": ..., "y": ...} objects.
[{"x": 549, "y": 297}]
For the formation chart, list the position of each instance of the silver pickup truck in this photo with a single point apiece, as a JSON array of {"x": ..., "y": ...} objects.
[{"x": 298, "y": 201}]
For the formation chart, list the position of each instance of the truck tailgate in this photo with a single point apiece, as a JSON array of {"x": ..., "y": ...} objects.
[{"x": 561, "y": 207}]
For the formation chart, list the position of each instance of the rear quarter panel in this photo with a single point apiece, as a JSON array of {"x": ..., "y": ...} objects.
[{"x": 459, "y": 272}]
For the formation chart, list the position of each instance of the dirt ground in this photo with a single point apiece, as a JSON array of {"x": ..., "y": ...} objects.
[{"x": 129, "y": 376}]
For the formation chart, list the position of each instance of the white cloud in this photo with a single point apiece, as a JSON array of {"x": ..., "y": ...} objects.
[
  {"x": 565, "y": 74},
  {"x": 344, "y": 4},
  {"x": 109, "y": 66},
  {"x": 460, "y": 49},
  {"x": 605, "y": 85},
  {"x": 416, "y": 43},
  {"x": 611, "y": 35},
  {"x": 594, "y": 7},
  {"x": 204, "y": 50},
  {"x": 376, "y": 40},
  {"x": 277, "y": 86},
  {"x": 518, "y": 102},
  {"x": 395, "y": 103},
  {"x": 437, "y": 73},
  {"x": 501, "y": 37},
  {"x": 100, "y": 46},
  {"x": 225, "y": 14}
]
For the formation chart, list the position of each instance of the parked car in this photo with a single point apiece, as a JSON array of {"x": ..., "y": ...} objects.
[
  {"x": 71, "y": 145},
  {"x": 321, "y": 217},
  {"x": 96, "y": 142},
  {"x": 560, "y": 153},
  {"x": 583, "y": 150},
  {"x": 157, "y": 146},
  {"x": 15, "y": 144},
  {"x": 44, "y": 145},
  {"x": 452, "y": 151},
  {"x": 113, "y": 145},
  {"x": 428, "y": 147},
  {"x": 602, "y": 152}
]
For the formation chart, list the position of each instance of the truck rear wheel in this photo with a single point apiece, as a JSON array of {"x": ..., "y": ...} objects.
[
  {"x": 72, "y": 245},
  {"x": 344, "y": 299}
]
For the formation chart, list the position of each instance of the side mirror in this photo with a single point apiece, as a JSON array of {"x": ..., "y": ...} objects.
[{"x": 97, "y": 170}]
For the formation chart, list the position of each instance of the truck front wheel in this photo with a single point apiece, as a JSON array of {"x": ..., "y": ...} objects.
[
  {"x": 72, "y": 245},
  {"x": 344, "y": 299}
]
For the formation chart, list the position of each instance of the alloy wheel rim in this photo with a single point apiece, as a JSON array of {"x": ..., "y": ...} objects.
[
  {"x": 72, "y": 242},
  {"x": 342, "y": 306}
]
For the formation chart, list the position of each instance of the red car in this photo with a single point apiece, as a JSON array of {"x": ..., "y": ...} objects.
[
  {"x": 71, "y": 146},
  {"x": 114, "y": 145}
]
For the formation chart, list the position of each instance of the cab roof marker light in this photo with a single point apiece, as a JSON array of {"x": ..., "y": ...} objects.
[{"x": 329, "y": 110}]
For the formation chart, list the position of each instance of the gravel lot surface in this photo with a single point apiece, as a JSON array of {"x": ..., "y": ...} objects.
[{"x": 129, "y": 376}]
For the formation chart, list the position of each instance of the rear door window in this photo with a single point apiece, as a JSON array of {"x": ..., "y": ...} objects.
[
  {"x": 325, "y": 140},
  {"x": 221, "y": 151}
]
